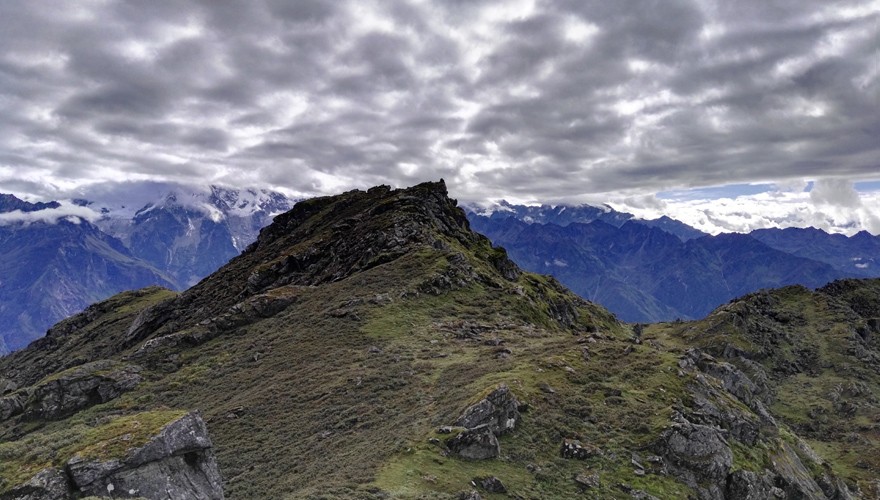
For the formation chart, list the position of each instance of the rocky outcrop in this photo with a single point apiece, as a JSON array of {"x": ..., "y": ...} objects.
[
  {"x": 491, "y": 484},
  {"x": 714, "y": 408},
  {"x": 734, "y": 380},
  {"x": 748, "y": 485},
  {"x": 698, "y": 455},
  {"x": 176, "y": 464},
  {"x": 792, "y": 475},
  {"x": 12, "y": 405},
  {"x": 499, "y": 410},
  {"x": 71, "y": 391},
  {"x": 149, "y": 320},
  {"x": 478, "y": 443},
  {"x": 492, "y": 416},
  {"x": 48, "y": 484},
  {"x": 7, "y": 386},
  {"x": 80, "y": 388}
]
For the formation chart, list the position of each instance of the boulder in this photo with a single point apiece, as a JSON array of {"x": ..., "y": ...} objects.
[
  {"x": 478, "y": 443},
  {"x": 587, "y": 481},
  {"x": 499, "y": 410},
  {"x": 176, "y": 464},
  {"x": 491, "y": 484},
  {"x": 698, "y": 455}
]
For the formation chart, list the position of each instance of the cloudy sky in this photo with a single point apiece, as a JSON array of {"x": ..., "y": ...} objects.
[{"x": 729, "y": 115}]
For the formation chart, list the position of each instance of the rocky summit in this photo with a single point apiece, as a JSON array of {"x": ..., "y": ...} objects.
[{"x": 370, "y": 345}]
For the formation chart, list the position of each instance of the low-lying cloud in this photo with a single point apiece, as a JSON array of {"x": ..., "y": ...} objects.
[
  {"x": 66, "y": 212},
  {"x": 832, "y": 205}
]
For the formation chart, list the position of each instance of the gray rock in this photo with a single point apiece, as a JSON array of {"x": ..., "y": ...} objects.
[
  {"x": 793, "y": 476},
  {"x": 478, "y": 443},
  {"x": 642, "y": 495},
  {"x": 698, "y": 455},
  {"x": 491, "y": 484},
  {"x": 176, "y": 464},
  {"x": 734, "y": 380},
  {"x": 748, "y": 485},
  {"x": 79, "y": 388},
  {"x": 48, "y": 484},
  {"x": 742, "y": 424},
  {"x": 150, "y": 320},
  {"x": 587, "y": 481},
  {"x": 834, "y": 487},
  {"x": 7, "y": 386},
  {"x": 12, "y": 405},
  {"x": 574, "y": 449},
  {"x": 499, "y": 410}
]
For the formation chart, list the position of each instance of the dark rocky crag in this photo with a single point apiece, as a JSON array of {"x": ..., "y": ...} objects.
[
  {"x": 370, "y": 345},
  {"x": 176, "y": 464}
]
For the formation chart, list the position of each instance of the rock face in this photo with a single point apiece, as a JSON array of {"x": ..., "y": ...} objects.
[
  {"x": 48, "y": 484},
  {"x": 698, "y": 455},
  {"x": 178, "y": 463},
  {"x": 89, "y": 385},
  {"x": 73, "y": 390},
  {"x": 499, "y": 410},
  {"x": 748, "y": 485},
  {"x": 478, "y": 443}
]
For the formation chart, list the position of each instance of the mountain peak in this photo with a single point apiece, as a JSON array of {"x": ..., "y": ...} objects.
[
  {"x": 10, "y": 203},
  {"x": 332, "y": 238},
  {"x": 357, "y": 230}
]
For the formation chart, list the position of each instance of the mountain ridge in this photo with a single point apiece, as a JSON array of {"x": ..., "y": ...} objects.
[
  {"x": 371, "y": 345},
  {"x": 683, "y": 279}
]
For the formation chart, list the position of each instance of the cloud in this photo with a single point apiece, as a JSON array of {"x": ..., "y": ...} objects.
[
  {"x": 67, "y": 212},
  {"x": 836, "y": 193},
  {"x": 532, "y": 99},
  {"x": 832, "y": 205}
]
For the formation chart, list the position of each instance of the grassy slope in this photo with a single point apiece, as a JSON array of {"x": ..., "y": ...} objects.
[{"x": 809, "y": 346}]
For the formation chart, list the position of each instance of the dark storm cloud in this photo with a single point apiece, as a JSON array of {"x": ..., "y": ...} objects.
[{"x": 540, "y": 99}]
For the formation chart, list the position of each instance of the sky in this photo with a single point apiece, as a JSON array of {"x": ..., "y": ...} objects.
[{"x": 726, "y": 115}]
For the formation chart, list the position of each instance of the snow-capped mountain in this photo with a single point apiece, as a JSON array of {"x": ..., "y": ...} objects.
[
  {"x": 53, "y": 263},
  {"x": 189, "y": 233},
  {"x": 58, "y": 257},
  {"x": 563, "y": 215}
]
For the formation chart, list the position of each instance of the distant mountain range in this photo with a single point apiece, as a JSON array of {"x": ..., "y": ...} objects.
[
  {"x": 59, "y": 257},
  {"x": 663, "y": 269},
  {"x": 56, "y": 259}
]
